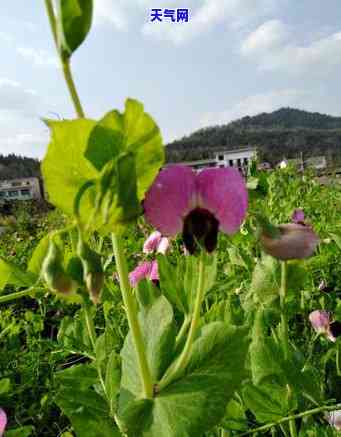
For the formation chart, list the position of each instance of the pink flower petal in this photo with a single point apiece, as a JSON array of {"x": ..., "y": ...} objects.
[
  {"x": 298, "y": 216},
  {"x": 222, "y": 191},
  {"x": 152, "y": 242},
  {"x": 154, "y": 271},
  {"x": 142, "y": 271},
  {"x": 170, "y": 198},
  {"x": 320, "y": 320},
  {"x": 334, "y": 419},
  {"x": 163, "y": 246},
  {"x": 3, "y": 421}
]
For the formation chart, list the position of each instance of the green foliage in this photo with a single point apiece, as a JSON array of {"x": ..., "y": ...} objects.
[{"x": 73, "y": 24}]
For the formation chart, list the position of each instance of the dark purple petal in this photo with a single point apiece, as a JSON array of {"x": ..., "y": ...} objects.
[
  {"x": 170, "y": 199},
  {"x": 200, "y": 227},
  {"x": 222, "y": 191}
]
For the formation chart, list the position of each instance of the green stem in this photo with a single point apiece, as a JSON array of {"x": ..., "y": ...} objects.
[
  {"x": 64, "y": 62},
  {"x": 72, "y": 88},
  {"x": 133, "y": 322},
  {"x": 183, "y": 359},
  {"x": 93, "y": 338},
  {"x": 224, "y": 433},
  {"x": 182, "y": 331},
  {"x": 293, "y": 417},
  {"x": 90, "y": 325},
  {"x": 284, "y": 321},
  {"x": 292, "y": 428},
  {"x": 19, "y": 294},
  {"x": 338, "y": 360}
]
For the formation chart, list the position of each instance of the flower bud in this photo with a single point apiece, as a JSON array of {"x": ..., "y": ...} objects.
[
  {"x": 294, "y": 241},
  {"x": 53, "y": 272},
  {"x": 334, "y": 419},
  {"x": 156, "y": 243},
  {"x": 3, "y": 421},
  {"x": 320, "y": 321},
  {"x": 92, "y": 269},
  {"x": 298, "y": 216}
]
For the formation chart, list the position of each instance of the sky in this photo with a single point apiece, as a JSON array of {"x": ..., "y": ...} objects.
[{"x": 233, "y": 58}]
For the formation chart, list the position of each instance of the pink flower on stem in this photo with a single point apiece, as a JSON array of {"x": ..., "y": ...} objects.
[
  {"x": 298, "y": 216},
  {"x": 320, "y": 321},
  {"x": 156, "y": 243},
  {"x": 145, "y": 270},
  {"x": 197, "y": 204},
  {"x": 334, "y": 419},
  {"x": 3, "y": 421}
]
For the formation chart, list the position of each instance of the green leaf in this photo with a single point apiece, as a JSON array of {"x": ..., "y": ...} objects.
[
  {"x": 173, "y": 290},
  {"x": 5, "y": 385},
  {"x": 13, "y": 275},
  {"x": 88, "y": 413},
  {"x": 64, "y": 168},
  {"x": 23, "y": 431},
  {"x": 79, "y": 377},
  {"x": 197, "y": 401},
  {"x": 235, "y": 418},
  {"x": 113, "y": 379},
  {"x": 38, "y": 255},
  {"x": 265, "y": 356},
  {"x": 265, "y": 283},
  {"x": 158, "y": 329},
  {"x": 337, "y": 239},
  {"x": 133, "y": 131},
  {"x": 73, "y": 24},
  {"x": 268, "y": 403}
]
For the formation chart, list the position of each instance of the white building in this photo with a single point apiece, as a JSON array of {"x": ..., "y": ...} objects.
[
  {"x": 239, "y": 158},
  {"x": 20, "y": 189}
]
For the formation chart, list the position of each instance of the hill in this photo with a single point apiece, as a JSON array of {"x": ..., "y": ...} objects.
[
  {"x": 13, "y": 166},
  {"x": 283, "y": 133}
]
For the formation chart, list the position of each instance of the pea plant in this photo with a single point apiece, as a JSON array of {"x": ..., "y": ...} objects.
[{"x": 186, "y": 367}]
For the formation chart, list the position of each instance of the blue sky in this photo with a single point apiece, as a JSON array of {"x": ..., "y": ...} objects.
[{"x": 234, "y": 58}]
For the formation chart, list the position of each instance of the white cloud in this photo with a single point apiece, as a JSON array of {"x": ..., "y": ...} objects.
[
  {"x": 271, "y": 47},
  {"x": 39, "y": 58},
  {"x": 21, "y": 130},
  {"x": 111, "y": 12},
  {"x": 269, "y": 36},
  {"x": 6, "y": 37},
  {"x": 258, "y": 103}
]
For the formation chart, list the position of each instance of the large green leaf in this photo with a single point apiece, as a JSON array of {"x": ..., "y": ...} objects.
[
  {"x": 88, "y": 413},
  {"x": 73, "y": 24},
  {"x": 87, "y": 410},
  {"x": 268, "y": 403},
  {"x": 133, "y": 131},
  {"x": 197, "y": 401},
  {"x": 158, "y": 327},
  {"x": 13, "y": 275},
  {"x": 65, "y": 170}
]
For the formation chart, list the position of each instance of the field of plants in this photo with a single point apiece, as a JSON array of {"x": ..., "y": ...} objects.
[{"x": 165, "y": 303}]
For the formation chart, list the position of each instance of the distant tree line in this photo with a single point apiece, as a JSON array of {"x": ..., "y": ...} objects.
[
  {"x": 283, "y": 133},
  {"x": 13, "y": 166}
]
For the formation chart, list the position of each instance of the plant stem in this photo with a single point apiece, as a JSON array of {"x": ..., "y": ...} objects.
[
  {"x": 19, "y": 294},
  {"x": 92, "y": 335},
  {"x": 285, "y": 331},
  {"x": 284, "y": 321},
  {"x": 296, "y": 416},
  {"x": 183, "y": 359},
  {"x": 90, "y": 325},
  {"x": 338, "y": 360},
  {"x": 64, "y": 62},
  {"x": 182, "y": 331},
  {"x": 72, "y": 88},
  {"x": 133, "y": 322}
]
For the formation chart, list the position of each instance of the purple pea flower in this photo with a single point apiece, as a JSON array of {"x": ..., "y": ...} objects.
[
  {"x": 197, "y": 204},
  {"x": 334, "y": 419},
  {"x": 3, "y": 422},
  {"x": 145, "y": 270},
  {"x": 156, "y": 243},
  {"x": 298, "y": 216},
  {"x": 320, "y": 321}
]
